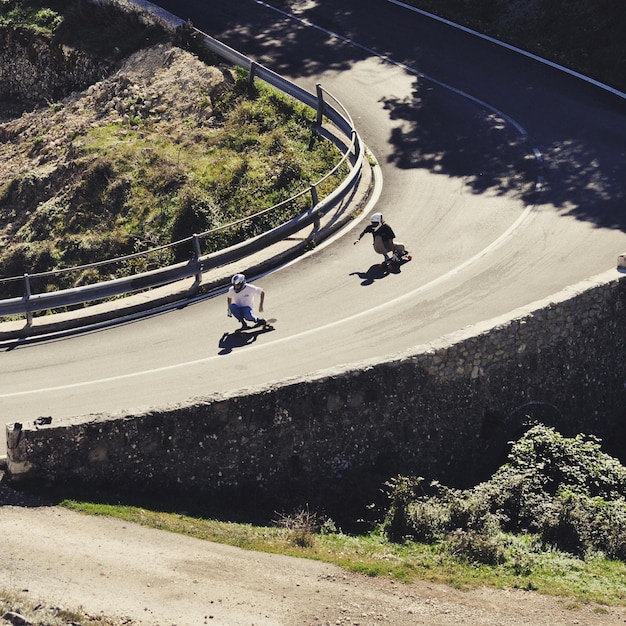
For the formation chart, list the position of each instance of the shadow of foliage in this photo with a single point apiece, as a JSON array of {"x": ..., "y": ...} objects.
[
  {"x": 455, "y": 137},
  {"x": 582, "y": 175}
]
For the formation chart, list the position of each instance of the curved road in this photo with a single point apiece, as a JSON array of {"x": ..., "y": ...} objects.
[{"x": 504, "y": 177}]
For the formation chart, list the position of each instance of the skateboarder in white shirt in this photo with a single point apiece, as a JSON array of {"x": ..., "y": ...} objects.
[{"x": 241, "y": 297}]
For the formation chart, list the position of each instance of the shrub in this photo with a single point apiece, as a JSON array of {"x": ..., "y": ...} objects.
[
  {"x": 580, "y": 525},
  {"x": 565, "y": 490},
  {"x": 429, "y": 520},
  {"x": 475, "y": 546},
  {"x": 399, "y": 524}
]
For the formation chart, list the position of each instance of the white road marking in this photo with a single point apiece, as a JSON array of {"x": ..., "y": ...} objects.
[{"x": 521, "y": 220}]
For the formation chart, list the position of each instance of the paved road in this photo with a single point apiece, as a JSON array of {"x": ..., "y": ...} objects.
[{"x": 504, "y": 177}]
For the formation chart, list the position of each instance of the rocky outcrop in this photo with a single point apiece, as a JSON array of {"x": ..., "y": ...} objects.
[{"x": 35, "y": 69}]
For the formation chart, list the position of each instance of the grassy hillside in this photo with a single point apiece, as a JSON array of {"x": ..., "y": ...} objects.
[{"x": 164, "y": 147}]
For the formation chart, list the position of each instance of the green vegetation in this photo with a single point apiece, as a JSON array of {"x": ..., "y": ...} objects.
[
  {"x": 105, "y": 29},
  {"x": 560, "y": 493},
  {"x": 145, "y": 182},
  {"x": 551, "y": 519},
  {"x": 259, "y": 150},
  {"x": 32, "y": 15}
]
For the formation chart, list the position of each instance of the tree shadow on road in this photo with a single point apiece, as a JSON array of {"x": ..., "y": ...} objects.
[
  {"x": 452, "y": 136},
  {"x": 442, "y": 131},
  {"x": 456, "y": 137}
]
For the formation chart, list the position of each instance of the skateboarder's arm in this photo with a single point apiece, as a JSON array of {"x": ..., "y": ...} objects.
[
  {"x": 362, "y": 233},
  {"x": 261, "y": 301},
  {"x": 228, "y": 307}
]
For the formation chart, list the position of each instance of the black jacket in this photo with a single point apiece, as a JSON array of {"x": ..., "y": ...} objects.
[{"x": 385, "y": 231}]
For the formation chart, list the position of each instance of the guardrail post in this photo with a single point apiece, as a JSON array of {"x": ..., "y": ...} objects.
[
  {"x": 314, "y": 195},
  {"x": 320, "y": 104},
  {"x": 196, "y": 255},
  {"x": 252, "y": 74},
  {"x": 27, "y": 294},
  {"x": 355, "y": 139}
]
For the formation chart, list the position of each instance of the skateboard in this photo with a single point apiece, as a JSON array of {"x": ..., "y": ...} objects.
[
  {"x": 396, "y": 262},
  {"x": 264, "y": 327}
]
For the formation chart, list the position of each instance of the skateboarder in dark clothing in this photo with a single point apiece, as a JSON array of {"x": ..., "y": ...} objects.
[{"x": 384, "y": 239}]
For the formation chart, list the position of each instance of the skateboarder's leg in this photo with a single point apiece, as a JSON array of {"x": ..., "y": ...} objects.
[
  {"x": 235, "y": 309},
  {"x": 399, "y": 249},
  {"x": 248, "y": 314},
  {"x": 380, "y": 247}
]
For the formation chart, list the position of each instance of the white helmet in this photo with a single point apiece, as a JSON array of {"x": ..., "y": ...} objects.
[
  {"x": 238, "y": 281},
  {"x": 376, "y": 220}
]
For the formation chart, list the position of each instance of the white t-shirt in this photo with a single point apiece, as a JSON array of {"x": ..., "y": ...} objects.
[{"x": 246, "y": 296}]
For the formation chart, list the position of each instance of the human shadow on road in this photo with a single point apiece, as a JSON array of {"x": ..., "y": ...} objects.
[
  {"x": 374, "y": 273},
  {"x": 238, "y": 339}
]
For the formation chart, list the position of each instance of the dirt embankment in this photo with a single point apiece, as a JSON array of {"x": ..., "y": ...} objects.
[{"x": 59, "y": 203}]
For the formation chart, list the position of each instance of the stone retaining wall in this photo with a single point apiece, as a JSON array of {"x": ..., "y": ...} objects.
[{"x": 446, "y": 412}]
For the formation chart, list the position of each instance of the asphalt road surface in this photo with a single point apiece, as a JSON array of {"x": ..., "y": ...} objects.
[{"x": 503, "y": 176}]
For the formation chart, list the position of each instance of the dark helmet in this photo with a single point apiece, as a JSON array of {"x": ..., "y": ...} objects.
[{"x": 238, "y": 281}]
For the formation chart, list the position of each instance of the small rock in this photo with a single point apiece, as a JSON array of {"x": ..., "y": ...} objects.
[{"x": 16, "y": 619}]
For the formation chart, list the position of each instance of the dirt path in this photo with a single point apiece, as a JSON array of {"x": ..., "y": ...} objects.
[{"x": 149, "y": 577}]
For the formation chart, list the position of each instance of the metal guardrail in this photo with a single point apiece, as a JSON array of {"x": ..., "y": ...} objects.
[{"x": 30, "y": 303}]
